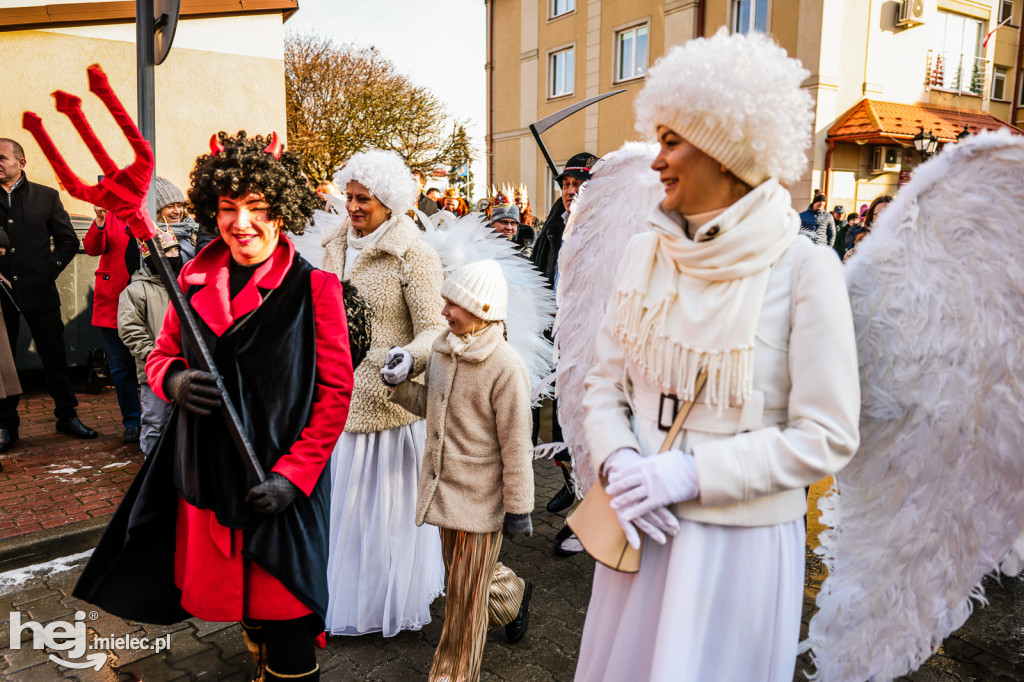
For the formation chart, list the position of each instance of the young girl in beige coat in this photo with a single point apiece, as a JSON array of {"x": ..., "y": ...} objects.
[{"x": 477, "y": 478}]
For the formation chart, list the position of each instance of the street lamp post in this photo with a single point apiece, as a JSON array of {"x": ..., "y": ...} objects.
[{"x": 925, "y": 144}]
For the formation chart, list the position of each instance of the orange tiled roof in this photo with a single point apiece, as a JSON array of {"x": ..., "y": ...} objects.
[{"x": 872, "y": 121}]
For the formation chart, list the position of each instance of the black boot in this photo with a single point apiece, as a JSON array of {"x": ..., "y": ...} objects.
[
  {"x": 566, "y": 543},
  {"x": 565, "y": 497},
  {"x": 517, "y": 628},
  {"x": 8, "y": 437}
]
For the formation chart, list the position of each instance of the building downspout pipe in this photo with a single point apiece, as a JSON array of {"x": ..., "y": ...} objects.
[
  {"x": 490, "y": 93},
  {"x": 701, "y": 4},
  {"x": 828, "y": 170},
  {"x": 1017, "y": 76}
]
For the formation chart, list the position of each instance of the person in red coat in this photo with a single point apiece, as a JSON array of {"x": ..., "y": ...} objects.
[
  {"x": 195, "y": 535},
  {"x": 108, "y": 237}
]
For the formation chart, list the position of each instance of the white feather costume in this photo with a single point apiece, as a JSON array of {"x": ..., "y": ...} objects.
[
  {"x": 603, "y": 220},
  {"x": 462, "y": 240},
  {"x": 934, "y": 499},
  {"x": 530, "y": 304}
]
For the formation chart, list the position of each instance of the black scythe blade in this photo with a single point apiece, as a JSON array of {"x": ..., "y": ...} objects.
[{"x": 560, "y": 115}]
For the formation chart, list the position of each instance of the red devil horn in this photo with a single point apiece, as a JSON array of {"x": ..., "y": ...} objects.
[
  {"x": 215, "y": 146},
  {"x": 274, "y": 148}
]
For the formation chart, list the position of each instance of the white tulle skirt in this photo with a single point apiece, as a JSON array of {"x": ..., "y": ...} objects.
[
  {"x": 714, "y": 603},
  {"x": 383, "y": 571}
]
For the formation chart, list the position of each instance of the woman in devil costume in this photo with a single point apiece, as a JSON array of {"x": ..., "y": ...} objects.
[{"x": 196, "y": 535}]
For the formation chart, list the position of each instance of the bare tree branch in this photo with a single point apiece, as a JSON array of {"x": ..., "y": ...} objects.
[{"x": 341, "y": 99}]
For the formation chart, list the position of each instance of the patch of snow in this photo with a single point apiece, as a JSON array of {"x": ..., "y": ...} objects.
[
  {"x": 69, "y": 470},
  {"x": 115, "y": 464},
  {"x": 19, "y": 576}
]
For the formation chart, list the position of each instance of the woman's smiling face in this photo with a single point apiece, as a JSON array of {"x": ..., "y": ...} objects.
[
  {"x": 693, "y": 181},
  {"x": 364, "y": 210},
  {"x": 246, "y": 227}
]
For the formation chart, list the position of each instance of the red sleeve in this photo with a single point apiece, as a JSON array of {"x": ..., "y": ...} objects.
[
  {"x": 166, "y": 352},
  {"x": 95, "y": 240},
  {"x": 311, "y": 452}
]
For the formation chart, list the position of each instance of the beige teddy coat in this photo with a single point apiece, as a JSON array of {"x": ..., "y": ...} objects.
[
  {"x": 404, "y": 314},
  {"x": 477, "y": 465}
]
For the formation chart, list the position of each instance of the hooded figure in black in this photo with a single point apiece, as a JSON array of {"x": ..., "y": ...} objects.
[
  {"x": 195, "y": 535},
  {"x": 545, "y": 257}
]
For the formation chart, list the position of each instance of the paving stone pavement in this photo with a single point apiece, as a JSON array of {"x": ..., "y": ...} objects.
[{"x": 988, "y": 647}]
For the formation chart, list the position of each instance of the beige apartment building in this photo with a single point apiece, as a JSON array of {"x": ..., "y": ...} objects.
[
  {"x": 882, "y": 71},
  {"x": 225, "y": 72}
]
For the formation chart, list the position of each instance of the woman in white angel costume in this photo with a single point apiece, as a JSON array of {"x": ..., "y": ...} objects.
[
  {"x": 383, "y": 570},
  {"x": 721, "y": 282}
]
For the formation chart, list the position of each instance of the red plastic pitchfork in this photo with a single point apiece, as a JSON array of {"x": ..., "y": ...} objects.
[{"x": 122, "y": 191}]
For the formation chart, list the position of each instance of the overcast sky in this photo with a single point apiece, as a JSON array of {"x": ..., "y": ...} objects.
[{"x": 438, "y": 43}]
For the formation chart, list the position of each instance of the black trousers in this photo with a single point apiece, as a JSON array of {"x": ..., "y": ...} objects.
[{"x": 48, "y": 333}]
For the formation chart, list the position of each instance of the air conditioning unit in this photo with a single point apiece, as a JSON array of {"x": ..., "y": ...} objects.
[
  {"x": 886, "y": 159},
  {"x": 911, "y": 13}
]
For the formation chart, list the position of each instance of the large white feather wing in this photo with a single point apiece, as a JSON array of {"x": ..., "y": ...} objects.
[
  {"x": 611, "y": 208},
  {"x": 309, "y": 244},
  {"x": 531, "y": 305},
  {"x": 934, "y": 499}
]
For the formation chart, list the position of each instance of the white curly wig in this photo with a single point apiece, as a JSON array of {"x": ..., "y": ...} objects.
[
  {"x": 384, "y": 173},
  {"x": 738, "y": 99}
]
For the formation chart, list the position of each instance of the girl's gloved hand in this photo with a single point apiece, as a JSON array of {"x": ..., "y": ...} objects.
[{"x": 397, "y": 365}]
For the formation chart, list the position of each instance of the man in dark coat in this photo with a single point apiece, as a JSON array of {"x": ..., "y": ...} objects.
[
  {"x": 32, "y": 214},
  {"x": 545, "y": 257}
]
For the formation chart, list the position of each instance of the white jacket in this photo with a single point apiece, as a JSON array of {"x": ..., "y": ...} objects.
[{"x": 799, "y": 426}]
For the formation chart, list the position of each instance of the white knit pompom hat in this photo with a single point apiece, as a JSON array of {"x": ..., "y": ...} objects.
[
  {"x": 384, "y": 173},
  {"x": 480, "y": 288},
  {"x": 738, "y": 99}
]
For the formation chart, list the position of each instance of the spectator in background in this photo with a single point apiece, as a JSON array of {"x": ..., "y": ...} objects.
[
  {"x": 841, "y": 226},
  {"x": 32, "y": 215},
  {"x": 877, "y": 207},
  {"x": 434, "y": 194},
  {"x": 423, "y": 202},
  {"x": 855, "y": 227},
  {"x": 110, "y": 238},
  {"x": 140, "y": 315},
  {"x": 171, "y": 215},
  {"x": 9, "y": 383},
  {"x": 816, "y": 223}
]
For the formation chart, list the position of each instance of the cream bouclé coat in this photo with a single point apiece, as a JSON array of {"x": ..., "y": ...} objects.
[
  {"x": 400, "y": 278},
  {"x": 799, "y": 426},
  {"x": 477, "y": 465}
]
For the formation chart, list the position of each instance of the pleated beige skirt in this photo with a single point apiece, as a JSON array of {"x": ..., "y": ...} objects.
[{"x": 481, "y": 592}]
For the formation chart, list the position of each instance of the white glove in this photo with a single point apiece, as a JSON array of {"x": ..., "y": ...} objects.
[
  {"x": 397, "y": 365},
  {"x": 617, "y": 462},
  {"x": 654, "y": 483},
  {"x": 656, "y": 523}
]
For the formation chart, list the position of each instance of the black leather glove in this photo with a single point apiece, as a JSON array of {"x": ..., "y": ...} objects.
[
  {"x": 273, "y": 495},
  {"x": 193, "y": 389},
  {"x": 517, "y": 524}
]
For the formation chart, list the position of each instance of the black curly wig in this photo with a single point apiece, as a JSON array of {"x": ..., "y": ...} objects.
[{"x": 244, "y": 167}]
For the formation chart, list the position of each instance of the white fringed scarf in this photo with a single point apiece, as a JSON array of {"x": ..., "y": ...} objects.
[{"x": 685, "y": 304}]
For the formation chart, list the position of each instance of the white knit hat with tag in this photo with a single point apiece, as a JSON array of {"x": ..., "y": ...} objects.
[{"x": 480, "y": 288}]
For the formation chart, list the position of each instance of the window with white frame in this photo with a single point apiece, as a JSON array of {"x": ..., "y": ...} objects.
[
  {"x": 957, "y": 63},
  {"x": 560, "y": 7},
  {"x": 1005, "y": 10},
  {"x": 631, "y": 53},
  {"x": 749, "y": 16},
  {"x": 999, "y": 83},
  {"x": 561, "y": 71}
]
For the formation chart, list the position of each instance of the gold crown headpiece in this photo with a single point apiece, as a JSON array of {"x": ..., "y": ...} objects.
[{"x": 501, "y": 197}]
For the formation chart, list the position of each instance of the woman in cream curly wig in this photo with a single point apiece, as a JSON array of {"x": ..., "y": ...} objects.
[
  {"x": 383, "y": 570},
  {"x": 719, "y": 286}
]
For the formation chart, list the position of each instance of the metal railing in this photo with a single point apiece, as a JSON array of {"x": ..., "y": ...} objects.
[{"x": 957, "y": 72}]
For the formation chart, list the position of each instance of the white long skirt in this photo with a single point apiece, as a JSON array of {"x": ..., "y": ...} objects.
[
  {"x": 383, "y": 571},
  {"x": 714, "y": 603}
]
